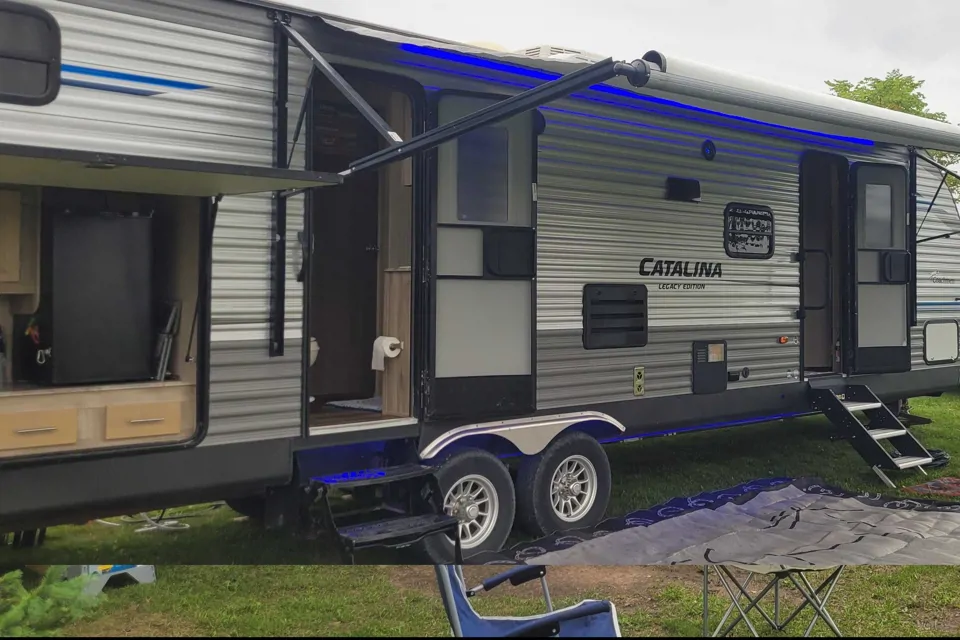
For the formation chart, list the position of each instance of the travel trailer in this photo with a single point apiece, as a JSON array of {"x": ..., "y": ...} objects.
[{"x": 274, "y": 257}]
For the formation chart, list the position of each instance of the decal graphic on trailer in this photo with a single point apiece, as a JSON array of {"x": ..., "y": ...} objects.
[{"x": 120, "y": 82}]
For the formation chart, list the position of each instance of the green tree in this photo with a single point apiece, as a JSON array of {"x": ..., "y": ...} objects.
[
  {"x": 898, "y": 92},
  {"x": 43, "y": 610}
]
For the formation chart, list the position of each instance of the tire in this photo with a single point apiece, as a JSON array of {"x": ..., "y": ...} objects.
[
  {"x": 486, "y": 472},
  {"x": 536, "y": 513},
  {"x": 253, "y": 507}
]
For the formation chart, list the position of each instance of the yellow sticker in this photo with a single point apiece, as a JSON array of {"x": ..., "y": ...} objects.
[
  {"x": 715, "y": 353},
  {"x": 638, "y": 381}
]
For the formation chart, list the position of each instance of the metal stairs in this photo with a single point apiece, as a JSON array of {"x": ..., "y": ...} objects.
[
  {"x": 881, "y": 439},
  {"x": 393, "y": 507}
]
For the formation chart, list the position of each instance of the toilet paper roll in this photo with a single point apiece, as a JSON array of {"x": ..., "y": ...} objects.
[
  {"x": 384, "y": 347},
  {"x": 314, "y": 351}
]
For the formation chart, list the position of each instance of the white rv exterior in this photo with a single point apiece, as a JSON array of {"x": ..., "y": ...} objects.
[{"x": 196, "y": 81}]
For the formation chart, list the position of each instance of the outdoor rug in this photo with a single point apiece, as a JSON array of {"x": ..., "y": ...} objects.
[
  {"x": 941, "y": 487},
  {"x": 779, "y": 522}
]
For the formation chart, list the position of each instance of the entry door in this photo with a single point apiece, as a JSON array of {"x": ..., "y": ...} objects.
[
  {"x": 343, "y": 296},
  {"x": 485, "y": 265},
  {"x": 823, "y": 214},
  {"x": 883, "y": 269}
]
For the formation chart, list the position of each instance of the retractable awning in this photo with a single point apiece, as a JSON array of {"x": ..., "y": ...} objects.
[
  {"x": 683, "y": 82},
  {"x": 52, "y": 167},
  {"x": 636, "y": 73}
]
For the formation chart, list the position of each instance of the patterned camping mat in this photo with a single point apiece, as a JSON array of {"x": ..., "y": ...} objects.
[{"x": 801, "y": 523}]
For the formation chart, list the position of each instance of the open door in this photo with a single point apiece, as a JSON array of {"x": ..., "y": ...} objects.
[
  {"x": 823, "y": 212},
  {"x": 485, "y": 264},
  {"x": 882, "y": 263}
]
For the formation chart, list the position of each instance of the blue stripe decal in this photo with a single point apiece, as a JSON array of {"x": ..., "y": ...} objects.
[
  {"x": 131, "y": 77},
  {"x": 945, "y": 303},
  {"x": 108, "y": 87}
]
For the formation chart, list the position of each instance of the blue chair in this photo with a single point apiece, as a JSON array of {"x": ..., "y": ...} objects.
[{"x": 588, "y": 619}]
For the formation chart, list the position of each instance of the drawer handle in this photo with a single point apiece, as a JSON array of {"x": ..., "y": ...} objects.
[
  {"x": 147, "y": 420},
  {"x": 26, "y": 432}
]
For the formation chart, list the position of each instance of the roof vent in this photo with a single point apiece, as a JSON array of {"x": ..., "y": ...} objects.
[{"x": 551, "y": 52}]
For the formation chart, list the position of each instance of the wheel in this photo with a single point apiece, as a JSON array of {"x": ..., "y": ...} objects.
[
  {"x": 253, "y": 507},
  {"x": 478, "y": 490},
  {"x": 567, "y": 486}
]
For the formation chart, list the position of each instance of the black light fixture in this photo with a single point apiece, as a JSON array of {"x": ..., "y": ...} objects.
[{"x": 708, "y": 149}]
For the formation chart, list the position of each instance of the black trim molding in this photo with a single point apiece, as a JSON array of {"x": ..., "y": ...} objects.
[{"x": 481, "y": 397}]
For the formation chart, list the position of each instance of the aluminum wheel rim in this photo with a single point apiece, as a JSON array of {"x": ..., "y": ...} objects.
[
  {"x": 474, "y": 502},
  {"x": 573, "y": 488}
]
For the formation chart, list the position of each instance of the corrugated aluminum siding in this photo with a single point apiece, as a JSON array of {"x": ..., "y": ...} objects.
[
  {"x": 227, "y": 48},
  {"x": 601, "y": 210},
  {"x": 938, "y": 261}
]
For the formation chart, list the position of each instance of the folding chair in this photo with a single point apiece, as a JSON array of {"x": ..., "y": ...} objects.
[
  {"x": 589, "y": 619},
  {"x": 735, "y": 590}
]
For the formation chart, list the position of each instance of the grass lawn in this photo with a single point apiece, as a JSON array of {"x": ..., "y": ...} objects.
[
  {"x": 403, "y": 601},
  {"x": 302, "y": 598},
  {"x": 645, "y": 473}
]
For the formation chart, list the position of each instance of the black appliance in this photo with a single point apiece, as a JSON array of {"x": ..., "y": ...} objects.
[{"x": 94, "y": 323}]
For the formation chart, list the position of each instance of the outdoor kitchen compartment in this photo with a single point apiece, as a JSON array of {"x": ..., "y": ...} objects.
[{"x": 94, "y": 319}]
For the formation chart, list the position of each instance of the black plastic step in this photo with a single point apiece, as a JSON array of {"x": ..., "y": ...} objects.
[
  {"x": 398, "y": 531},
  {"x": 372, "y": 477}
]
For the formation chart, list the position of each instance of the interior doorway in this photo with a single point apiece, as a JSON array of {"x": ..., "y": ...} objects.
[
  {"x": 823, "y": 210},
  {"x": 360, "y": 279}
]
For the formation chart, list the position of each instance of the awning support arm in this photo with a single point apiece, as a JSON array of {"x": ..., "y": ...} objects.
[
  {"x": 324, "y": 67},
  {"x": 301, "y": 118},
  {"x": 946, "y": 173},
  {"x": 278, "y": 223},
  {"x": 946, "y": 170},
  {"x": 636, "y": 72},
  {"x": 212, "y": 206},
  {"x": 939, "y": 237}
]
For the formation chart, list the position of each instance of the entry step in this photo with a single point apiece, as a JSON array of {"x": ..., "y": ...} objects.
[
  {"x": 371, "y": 477},
  {"x": 862, "y": 406},
  {"x": 884, "y": 434},
  {"x": 399, "y": 531},
  {"x": 909, "y": 462}
]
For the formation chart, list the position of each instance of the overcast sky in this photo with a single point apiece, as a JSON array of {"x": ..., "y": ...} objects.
[{"x": 787, "y": 41}]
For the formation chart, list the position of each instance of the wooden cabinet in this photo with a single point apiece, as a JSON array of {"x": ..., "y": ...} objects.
[
  {"x": 10, "y": 221},
  {"x": 87, "y": 418},
  {"x": 396, "y": 323},
  {"x": 38, "y": 429},
  {"x": 19, "y": 242},
  {"x": 143, "y": 420}
]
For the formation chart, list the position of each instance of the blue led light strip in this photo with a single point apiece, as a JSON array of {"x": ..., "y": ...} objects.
[
  {"x": 516, "y": 70},
  {"x": 705, "y": 427}
]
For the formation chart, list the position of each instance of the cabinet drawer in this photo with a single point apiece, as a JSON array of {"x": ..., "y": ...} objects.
[
  {"x": 144, "y": 420},
  {"x": 34, "y": 429}
]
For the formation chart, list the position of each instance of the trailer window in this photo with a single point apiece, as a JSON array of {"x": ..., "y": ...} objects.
[
  {"x": 29, "y": 55},
  {"x": 748, "y": 231},
  {"x": 483, "y": 178}
]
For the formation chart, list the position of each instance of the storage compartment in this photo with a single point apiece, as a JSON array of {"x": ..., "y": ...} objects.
[
  {"x": 142, "y": 420},
  {"x": 360, "y": 283},
  {"x": 97, "y": 326},
  {"x": 94, "y": 323},
  {"x": 36, "y": 429}
]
